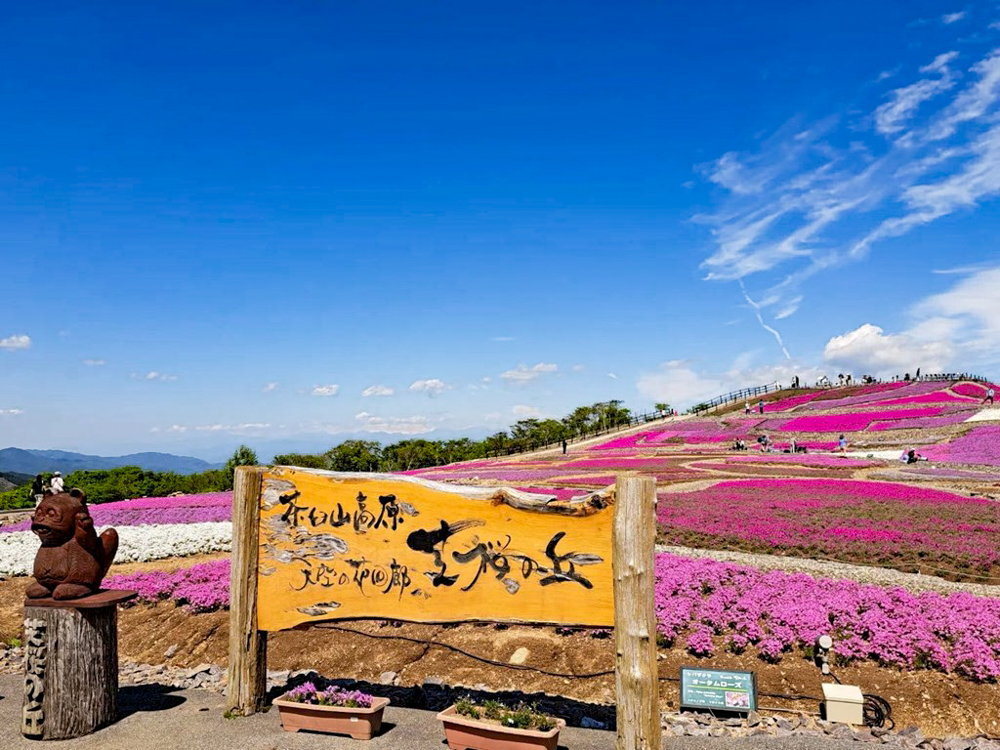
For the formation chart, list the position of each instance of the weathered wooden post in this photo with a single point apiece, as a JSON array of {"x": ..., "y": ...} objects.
[
  {"x": 636, "y": 674},
  {"x": 247, "y": 668},
  {"x": 71, "y": 665}
]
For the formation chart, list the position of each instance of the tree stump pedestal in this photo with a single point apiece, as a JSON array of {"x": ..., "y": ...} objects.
[{"x": 71, "y": 665}]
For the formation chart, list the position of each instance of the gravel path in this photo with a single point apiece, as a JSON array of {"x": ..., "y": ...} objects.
[{"x": 914, "y": 582}]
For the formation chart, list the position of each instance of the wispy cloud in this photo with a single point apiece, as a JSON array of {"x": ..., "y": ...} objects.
[
  {"x": 10, "y": 412},
  {"x": 93, "y": 362},
  {"x": 431, "y": 386},
  {"x": 412, "y": 425},
  {"x": 377, "y": 390},
  {"x": 19, "y": 341},
  {"x": 805, "y": 202},
  {"x": 949, "y": 18},
  {"x": 325, "y": 390},
  {"x": 524, "y": 374},
  {"x": 524, "y": 411},
  {"x": 270, "y": 387},
  {"x": 153, "y": 375},
  {"x": 502, "y": 338}
]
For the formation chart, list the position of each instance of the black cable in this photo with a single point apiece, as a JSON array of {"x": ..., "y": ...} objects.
[
  {"x": 877, "y": 711},
  {"x": 525, "y": 667}
]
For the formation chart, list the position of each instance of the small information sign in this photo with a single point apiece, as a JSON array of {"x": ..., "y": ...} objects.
[{"x": 720, "y": 690}]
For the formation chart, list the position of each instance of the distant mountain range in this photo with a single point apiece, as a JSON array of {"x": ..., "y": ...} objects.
[{"x": 29, "y": 461}]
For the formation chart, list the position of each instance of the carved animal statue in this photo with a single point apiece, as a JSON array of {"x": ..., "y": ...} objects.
[{"x": 72, "y": 560}]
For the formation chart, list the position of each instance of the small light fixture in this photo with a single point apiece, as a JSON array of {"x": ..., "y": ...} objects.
[{"x": 824, "y": 644}]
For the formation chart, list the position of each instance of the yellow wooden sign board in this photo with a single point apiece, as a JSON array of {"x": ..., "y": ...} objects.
[{"x": 347, "y": 545}]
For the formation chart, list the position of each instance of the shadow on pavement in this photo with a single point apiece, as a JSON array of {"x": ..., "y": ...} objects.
[
  {"x": 430, "y": 697},
  {"x": 142, "y": 698}
]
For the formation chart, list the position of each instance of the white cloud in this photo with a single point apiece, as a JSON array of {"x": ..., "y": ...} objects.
[
  {"x": 949, "y": 18},
  {"x": 503, "y": 338},
  {"x": 93, "y": 362},
  {"x": 578, "y": 368},
  {"x": 892, "y": 116},
  {"x": 524, "y": 374},
  {"x": 524, "y": 411},
  {"x": 377, "y": 390},
  {"x": 612, "y": 376},
  {"x": 431, "y": 387},
  {"x": 153, "y": 375},
  {"x": 678, "y": 383},
  {"x": 11, "y": 412},
  {"x": 957, "y": 329},
  {"x": 16, "y": 342},
  {"x": 413, "y": 425},
  {"x": 269, "y": 387},
  {"x": 325, "y": 390},
  {"x": 245, "y": 427},
  {"x": 868, "y": 350}
]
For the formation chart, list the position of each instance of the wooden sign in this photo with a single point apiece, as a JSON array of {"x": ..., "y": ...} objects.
[{"x": 349, "y": 545}]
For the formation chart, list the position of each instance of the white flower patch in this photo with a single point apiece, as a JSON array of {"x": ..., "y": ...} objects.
[{"x": 135, "y": 544}]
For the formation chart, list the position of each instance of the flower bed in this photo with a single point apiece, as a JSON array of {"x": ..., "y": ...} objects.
[
  {"x": 200, "y": 588},
  {"x": 973, "y": 390},
  {"x": 894, "y": 525},
  {"x": 135, "y": 544},
  {"x": 980, "y": 445},
  {"x": 918, "y": 423},
  {"x": 208, "y": 507},
  {"x": 852, "y": 421},
  {"x": 717, "y": 605}
]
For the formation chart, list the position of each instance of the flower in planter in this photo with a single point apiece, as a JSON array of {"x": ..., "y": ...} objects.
[{"x": 308, "y": 693}]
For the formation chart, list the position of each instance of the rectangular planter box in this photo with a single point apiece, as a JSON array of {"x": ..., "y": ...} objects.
[
  {"x": 463, "y": 733},
  {"x": 360, "y": 723}
]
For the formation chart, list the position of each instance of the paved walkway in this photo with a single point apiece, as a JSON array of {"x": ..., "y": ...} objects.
[{"x": 155, "y": 717}]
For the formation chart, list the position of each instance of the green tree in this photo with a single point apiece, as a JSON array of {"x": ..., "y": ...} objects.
[
  {"x": 242, "y": 456},
  {"x": 662, "y": 407},
  {"x": 355, "y": 455},
  {"x": 305, "y": 460}
]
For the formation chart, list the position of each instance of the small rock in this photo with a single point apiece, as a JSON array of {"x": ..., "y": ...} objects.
[
  {"x": 785, "y": 724},
  {"x": 389, "y": 678},
  {"x": 717, "y": 732},
  {"x": 588, "y": 723},
  {"x": 434, "y": 681},
  {"x": 169, "y": 653},
  {"x": 734, "y": 722},
  {"x": 192, "y": 673},
  {"x": 753, "y": 719},
  {"x": 956, "y": 743},
  {"x": 842, "y": 732},
  {"x": 520, "y": 656}
]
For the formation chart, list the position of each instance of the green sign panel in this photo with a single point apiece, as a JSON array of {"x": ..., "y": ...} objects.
[{"x": 721, "y": 690}]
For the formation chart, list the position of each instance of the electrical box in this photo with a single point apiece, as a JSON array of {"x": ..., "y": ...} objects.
[{"x": 843, "y": 703}]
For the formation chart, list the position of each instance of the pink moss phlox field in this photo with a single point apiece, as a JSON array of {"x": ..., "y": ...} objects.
[
  {"x": 919, "y": 423},
  {"x": 791, "y": 402},
  {"x": 717, "y": 604},
  {"x": 935, "y": 397},
  {"x": 853, "y": 421},
  {"x": 974, "y": 390},
  {"x": 852, "y": 520},
  {"x": 562, "y": 493},
  {"x": 200, "y": 588},
  {"x": 871, "y": 395},
  {"x": 980, "y": 445},
  {"x": 210, "y": 506},
  {"x": 803, "y": 459}
]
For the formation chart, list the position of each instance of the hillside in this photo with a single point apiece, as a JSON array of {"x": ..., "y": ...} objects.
[
  {"x": 10, "y": 480},
  {"x": 28, "y": 461}
]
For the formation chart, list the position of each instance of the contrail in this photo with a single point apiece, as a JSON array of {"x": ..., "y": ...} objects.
[{"x": 760, "y": 319}]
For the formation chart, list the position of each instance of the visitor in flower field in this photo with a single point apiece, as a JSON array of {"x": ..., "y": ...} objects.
[
  {"x": 56, "y": 483},
  {"x": 989, "y": 397},
  {"x": 911, "y": 457},
  {"x": 746, "y": 408},
  {"x": 842, "y": 443},
  {"x": 760, "y": 406}
]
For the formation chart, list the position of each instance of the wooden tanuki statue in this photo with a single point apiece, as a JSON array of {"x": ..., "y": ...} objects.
[{"x": 72, "y": 560}]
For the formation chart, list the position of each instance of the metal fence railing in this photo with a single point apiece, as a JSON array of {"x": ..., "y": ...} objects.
[{"x": 597, "y": 431}]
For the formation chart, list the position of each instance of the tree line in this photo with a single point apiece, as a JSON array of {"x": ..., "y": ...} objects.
[{"x": 110, "y": 485}]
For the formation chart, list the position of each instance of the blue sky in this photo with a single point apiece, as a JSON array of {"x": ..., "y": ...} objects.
[{"x": 224, "y": 223}]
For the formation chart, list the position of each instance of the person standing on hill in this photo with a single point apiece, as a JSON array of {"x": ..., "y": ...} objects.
[
  {"x": 760, "y": 406},
  {"x": 38, "y": 489},
  {"x": 56, "y": 483},
  {"x": 746, "y": 408},
  {"x": 989, "y": 396},
  {"x": 842, "y": 443}
]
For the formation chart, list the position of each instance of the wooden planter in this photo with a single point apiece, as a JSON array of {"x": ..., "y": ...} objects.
[
  {"x": 463, "y": 733},
  {"x": 360, "y": 723}
]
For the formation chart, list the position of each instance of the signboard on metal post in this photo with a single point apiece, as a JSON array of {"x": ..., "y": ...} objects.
[{"x": 719, "y": 690}]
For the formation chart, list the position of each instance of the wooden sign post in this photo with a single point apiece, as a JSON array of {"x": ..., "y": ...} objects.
[
  {"x": 311, "y": 546},
  {"x": 636, "y": 673}
]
